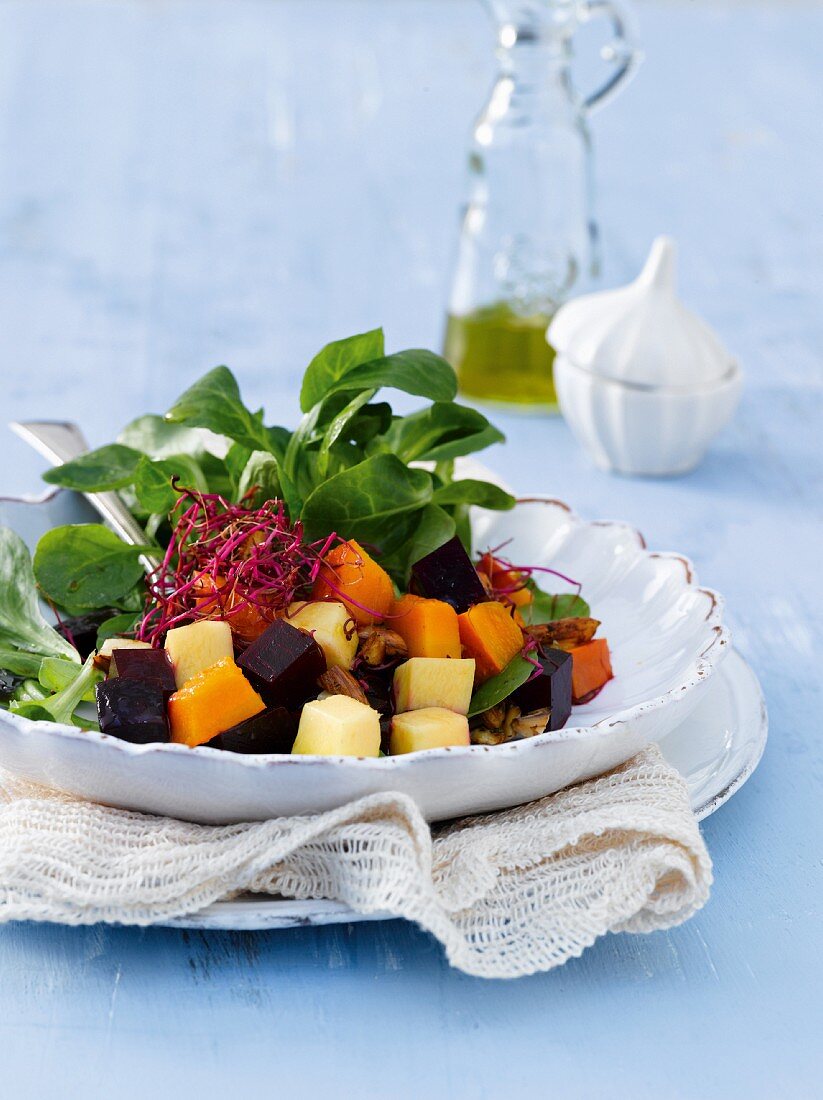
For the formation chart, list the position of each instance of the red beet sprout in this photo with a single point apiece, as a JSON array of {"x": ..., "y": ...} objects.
[
  {"x": 61, "y": 624},
  {"x": 346, "y": 597},
  {"x": 520, "y": 573},
  {"x": 529, "y": 653},
  {"x": 229, "y": 561}
]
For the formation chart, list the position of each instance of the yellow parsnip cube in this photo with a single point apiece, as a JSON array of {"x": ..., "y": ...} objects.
[
  {"x": 434, "y": 682},
  {"x": 432, "y": 728},
  {"x": 333, "y": 628},
  {"x": 338, "y": 726},
  {"x": 198, "y": 646}
]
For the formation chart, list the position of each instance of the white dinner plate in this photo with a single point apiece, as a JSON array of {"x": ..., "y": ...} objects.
[
  {"x": 666, "y": 637},
  {"x": 715, "y": 749}
]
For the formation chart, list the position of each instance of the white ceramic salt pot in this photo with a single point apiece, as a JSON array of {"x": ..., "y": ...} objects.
[{"x": 643, "y": 383}]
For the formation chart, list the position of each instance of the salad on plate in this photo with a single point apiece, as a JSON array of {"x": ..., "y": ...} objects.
[{"x": 313, "y": 591}]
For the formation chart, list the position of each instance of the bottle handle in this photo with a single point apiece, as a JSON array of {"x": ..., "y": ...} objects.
[{"x": 622, "y": 51}]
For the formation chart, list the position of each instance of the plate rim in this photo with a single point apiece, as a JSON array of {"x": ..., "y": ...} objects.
[{"x": 720, "y": 798}]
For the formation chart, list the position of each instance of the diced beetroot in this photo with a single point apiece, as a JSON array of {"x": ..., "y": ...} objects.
[
  {"x": 552, "y": 688},
  {"x": 448, "y": 574},
  {"x": 132, "y": 710},
  {"x": 272, "y": 730},
  {"x": 283, "y": 665},
  {"x": 377, "y": 684},
  {"x": 152, "y": 666},
  {"x": 81, "y": 630}
]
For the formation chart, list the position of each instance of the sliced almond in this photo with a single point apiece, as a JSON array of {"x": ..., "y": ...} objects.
[
  {"x": 495, "y": 717},
  {"x": 499, "y": 725},
  {"x": 337, "y": 681},
  {"x": 529, "y": 725},
  {"x": 378, "y": 644}
]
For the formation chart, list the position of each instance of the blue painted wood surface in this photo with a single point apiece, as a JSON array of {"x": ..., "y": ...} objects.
[{"x": 183, "y": 184}]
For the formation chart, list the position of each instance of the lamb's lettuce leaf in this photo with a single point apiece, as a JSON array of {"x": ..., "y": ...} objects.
[
  {"x": 439, "y": 432},
  {"x": 25, "y": 636},
  {"x": 335, "y": 361},
  {"x": 415, "y": 371},
  {"x": 546, "y": 608},
  {"x": 85, "y": 565},
  {"x": 118, "y": 625},
  {"x": 56, "y": 674},
  {"x": 500, "y": 687},
  {"x": 109, "y": 467},
  {"x": 159, "y": 438},
  {"x": 154, "y": 481},
  {"x": 61, "y": 706},
  {"x": 261, "y": 473},
  {"x": 468, "y": 491},
  {"x": 365, "y": 500},
  {"x": 359, "y": 363},
  {"x": 345, "y": 468},
  {"x": 430, "y": 528},
  {"x": 18, "y": 662},
  {"x": 214, "y": 402}
]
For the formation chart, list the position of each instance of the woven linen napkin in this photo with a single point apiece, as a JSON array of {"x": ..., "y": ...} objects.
[{"x": 506, "y": 894}]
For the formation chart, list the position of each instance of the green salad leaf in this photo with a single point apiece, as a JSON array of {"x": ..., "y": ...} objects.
[
  {"x": 109, "y": 467},
  {"x": 159, "y": 438},
  {"x": 440, "y": 432},
  {"x": 214, "y": 403},
  {"x": 260, "y": 473},
  {"x": 484, "y": 494},
  {"x": 546, "y": 608},
  {"x": 500, "y": 687},
  {"x": 30, "y": 691},
  {"x": 56, "y": 674},
  {"x": 61, "y": 706},
  {"x": 153, "y": 481},
  {"x": 463, "y": 526},
  {"x": 345, "y": 468},
  {"x": 337, "y": 426},
  {"x": 18, "y": 662},
  {"x": 118, "y": 624},
  {"x": 208, "y": 452},
  {"x": 335, "y": 361},
  {"x": 25, "y": 636},
  {"x": 359, "y": 363},
  {"x": 85, "y": 565},
  {"x": 430, "y": 528},
  {"x": 365, "y": 500},
  {"x": 415, "y": 371},
  {"x": 236, "y": 460}
]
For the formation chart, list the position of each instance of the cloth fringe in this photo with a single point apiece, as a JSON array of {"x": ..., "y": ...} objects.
[{"x": 506, "y": 894}]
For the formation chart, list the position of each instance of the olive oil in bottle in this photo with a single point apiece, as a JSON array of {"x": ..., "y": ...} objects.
[{"x": 502, "y": 357}]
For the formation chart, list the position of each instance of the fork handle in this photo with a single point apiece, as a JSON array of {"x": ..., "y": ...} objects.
[{"x": 61, "y": 441}]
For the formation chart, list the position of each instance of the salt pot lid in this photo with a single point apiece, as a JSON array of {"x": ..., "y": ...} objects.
[{"x": 641, "y": 333}]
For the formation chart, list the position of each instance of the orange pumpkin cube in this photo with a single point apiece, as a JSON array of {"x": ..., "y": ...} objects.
[
  {"x": 591, "y": 668},
  {"x": 349, "y": 575},
  {"x": 404, "y": 602},
  {"x": 212, "y": 701},
  {"x": 428, "y": 627},
  {"x": 490, "y": 635}
]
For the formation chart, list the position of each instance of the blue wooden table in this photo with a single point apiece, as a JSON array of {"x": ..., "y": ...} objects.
[{"x": 183, "y": 184}]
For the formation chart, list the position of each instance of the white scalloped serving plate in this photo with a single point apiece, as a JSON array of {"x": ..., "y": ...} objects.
[
  {"x": 716, "y": 748},
  {"x": 666, "y": 637}
]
